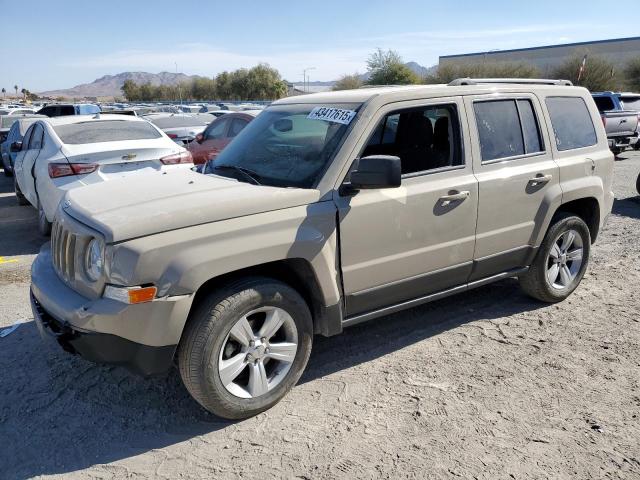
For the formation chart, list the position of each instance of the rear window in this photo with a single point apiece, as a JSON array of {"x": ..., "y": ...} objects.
[
  {"x": 105, "y": 131},
  {"x": 630, "y": 103},
  {"x": 178, "y": 121},
  {"x": 604, "y": 103},
  {"x": 571, "y": 123}
]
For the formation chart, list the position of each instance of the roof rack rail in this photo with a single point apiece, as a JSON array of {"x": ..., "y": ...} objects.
[{"x": 523, "y": 81}]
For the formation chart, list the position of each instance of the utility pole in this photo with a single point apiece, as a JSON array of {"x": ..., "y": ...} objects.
[{"x": 305, "y": 78}]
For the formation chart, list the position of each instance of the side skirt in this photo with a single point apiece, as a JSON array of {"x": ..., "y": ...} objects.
[{"x": 381, "y": 312}]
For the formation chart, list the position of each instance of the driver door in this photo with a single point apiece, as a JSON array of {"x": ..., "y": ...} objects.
[
  {"x": 214, "y": 140},
  {"x": 399, "y": 244}
]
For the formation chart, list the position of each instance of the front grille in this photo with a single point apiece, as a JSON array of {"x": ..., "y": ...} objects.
[{"x": 63, "y": 251}]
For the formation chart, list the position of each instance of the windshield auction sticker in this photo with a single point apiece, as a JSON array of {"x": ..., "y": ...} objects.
[{"x": 336, "y": 115}]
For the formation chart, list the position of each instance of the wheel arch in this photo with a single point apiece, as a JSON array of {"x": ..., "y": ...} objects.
[
  {"x": 588, "y": 209},
  {"x": 298, "y": 273}
]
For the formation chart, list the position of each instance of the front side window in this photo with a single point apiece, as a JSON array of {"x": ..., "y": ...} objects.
[
  {"x": 26, "y": 139},
  {"x": 424, "y": 138},
  {"x": 571, "y": 121},
  {"x": 105, "y": 131},
  {"x": 287, "y": 145},
  {"x": 507, "y": 128},
  {"x": 237, "y": 125},
  {"x": 216, "y": 130}
]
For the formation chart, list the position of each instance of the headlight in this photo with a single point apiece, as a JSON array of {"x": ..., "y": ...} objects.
[{"x": 94, "y": 260}]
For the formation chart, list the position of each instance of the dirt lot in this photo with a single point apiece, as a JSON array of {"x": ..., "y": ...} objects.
[{"x": 487, "y": 385}]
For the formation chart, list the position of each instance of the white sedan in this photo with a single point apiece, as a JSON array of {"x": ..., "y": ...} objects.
[{"x": 58, "y": 154}]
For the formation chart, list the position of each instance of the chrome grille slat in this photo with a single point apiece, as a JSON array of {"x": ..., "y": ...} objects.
[
  {"x": 71, "y": 256},
  {"x": 63, "y": 255}
]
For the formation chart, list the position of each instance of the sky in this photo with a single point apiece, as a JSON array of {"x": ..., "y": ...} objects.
[{"x": 53, "y": 44}]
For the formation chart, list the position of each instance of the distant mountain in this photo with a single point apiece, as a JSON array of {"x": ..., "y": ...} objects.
[{"x": 110, "y": 85}]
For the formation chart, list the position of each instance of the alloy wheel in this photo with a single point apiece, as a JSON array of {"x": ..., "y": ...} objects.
[
  {"x": 565, "y": 259},
  {"x": 258, "y": 352}
]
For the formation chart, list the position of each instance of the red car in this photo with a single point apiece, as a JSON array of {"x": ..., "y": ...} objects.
[{"x": 208, "y": 144}]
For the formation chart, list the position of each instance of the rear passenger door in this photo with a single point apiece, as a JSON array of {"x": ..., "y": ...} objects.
[{"x": 517, "y": 178}]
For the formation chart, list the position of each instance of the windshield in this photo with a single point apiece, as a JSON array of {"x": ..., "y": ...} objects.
[
  {"x": 284, "y": 146},
  {"x": 105, "y": 131}
]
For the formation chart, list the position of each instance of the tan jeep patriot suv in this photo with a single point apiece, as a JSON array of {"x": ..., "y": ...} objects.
[{"x": 326, "y": 211}]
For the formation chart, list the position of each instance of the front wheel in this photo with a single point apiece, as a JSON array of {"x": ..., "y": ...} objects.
[
  {"x": 244, "y": 348},
  {"x": 561, "y": 260}
]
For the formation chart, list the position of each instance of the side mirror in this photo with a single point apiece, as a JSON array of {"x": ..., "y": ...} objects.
[
  {"x": 199, "y": 138},
  {"x": 16, "y": 147},
  {"x": 376, "y": 171},
  {"x": 283, "y": 125}
]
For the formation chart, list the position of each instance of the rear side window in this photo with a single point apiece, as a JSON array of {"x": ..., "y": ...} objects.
[
  {"x": 604, "y": 103},
  {"x": 631, "y": 103},
  {"x": 66, "y": 110},
  {"x": 507, "y": 128},
  {"x": 571, "y": 121},
  {"x": 105, "y": 131},
  {"x": 37, "y": 138}
]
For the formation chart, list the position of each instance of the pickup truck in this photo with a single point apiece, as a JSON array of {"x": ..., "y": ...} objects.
[
  {"x": 620, "y": 113},
  {"x": 326, "y": 211}
]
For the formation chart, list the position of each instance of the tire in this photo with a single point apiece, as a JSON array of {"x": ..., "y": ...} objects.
[
  {"x": 7, "y": 172},
  {"x": 638, "y": 184},
  {"x": 537, "y": 281},
  {"x": 208, "y": 337},
  {"x": 22, "y": 200},
  {"x": 44, "y": 225}
]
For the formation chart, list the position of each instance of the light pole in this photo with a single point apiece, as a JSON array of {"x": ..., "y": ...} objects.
[
  {"x": 305, "y": 78},
  {"x": 178, "y": 84}
]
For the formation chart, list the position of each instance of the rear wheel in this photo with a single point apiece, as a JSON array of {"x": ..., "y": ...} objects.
[
  {"x": 246, "y": 347},
  {"x": 22, "y": 200},
  {"x": 44, "y": 225},
  {"x": 561, "y": 260},
  {"x": 638, "y": 184}
]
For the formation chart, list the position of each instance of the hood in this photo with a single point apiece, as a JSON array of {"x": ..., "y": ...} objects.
[{"x": 139, "y": 206}]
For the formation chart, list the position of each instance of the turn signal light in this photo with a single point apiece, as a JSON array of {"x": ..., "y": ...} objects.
[
  {"x": 130, "y": 295},
  {"x": 141, "y": 295},
  {"x": 182, "y": 157},
  {"x": 57, "y": 170}
]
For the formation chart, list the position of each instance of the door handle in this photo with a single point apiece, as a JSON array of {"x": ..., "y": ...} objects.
[
  {"x": 540, "y": 179},
  {"x": 454, "y": 196}
]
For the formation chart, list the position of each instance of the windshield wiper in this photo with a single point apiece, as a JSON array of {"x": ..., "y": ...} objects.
[{"x": 248, "y": 173}]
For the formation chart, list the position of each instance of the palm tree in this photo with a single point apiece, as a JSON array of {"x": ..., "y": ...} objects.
[
  {"x": 24, "y": 93},
  {"x": 4, "y": 92},
  {"x": 15, "y": 87}
]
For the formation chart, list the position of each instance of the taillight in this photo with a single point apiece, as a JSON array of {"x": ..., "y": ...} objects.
[
  {"x": 182, "y": 157},
  {"x": 604, "y": 120},
  {"x": 57, "y": 170},
  {"x": 172, "y": 135}
]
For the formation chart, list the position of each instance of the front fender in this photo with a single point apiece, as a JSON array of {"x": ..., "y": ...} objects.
[{"x": 180, "y": 261}]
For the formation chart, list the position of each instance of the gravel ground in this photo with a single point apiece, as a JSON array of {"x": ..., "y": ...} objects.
[{"x": 487, "y": 385}]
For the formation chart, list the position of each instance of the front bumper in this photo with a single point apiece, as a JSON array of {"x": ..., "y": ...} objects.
[
  {"x": 103, "y": 347},
  {"x": 142, "y": 337}
]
